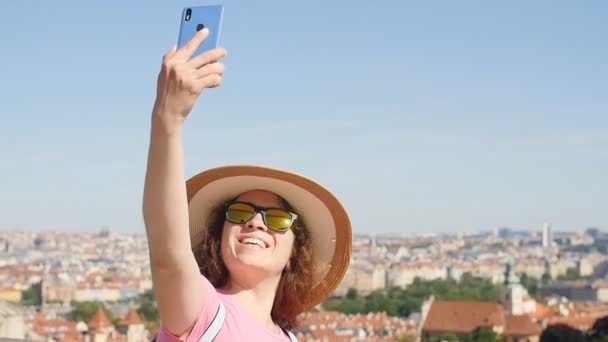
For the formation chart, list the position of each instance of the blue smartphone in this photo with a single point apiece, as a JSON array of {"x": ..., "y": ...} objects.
[{"x": 195, "y": 19}]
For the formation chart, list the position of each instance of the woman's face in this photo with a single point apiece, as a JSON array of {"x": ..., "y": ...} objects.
[{"x": 239, "y": 253}]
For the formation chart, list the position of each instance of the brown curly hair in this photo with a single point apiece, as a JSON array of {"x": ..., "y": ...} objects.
[{"x": 295, "y": 280}]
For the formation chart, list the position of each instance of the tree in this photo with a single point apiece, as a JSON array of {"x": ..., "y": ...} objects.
[
  {"x": 572, "y": 273},
  {"x": 406, "y": 338},
  {"x": 478, "y": 335},
  {"x": 29, "y": 297},
  {"x": 449, "y": 337},
  {"x": 148, "y": 311},
  {"x": 484, "y": 335},
  {"x": 599, "y": 331},
  {"x": 84, "y": 311},
  {"x": 531, "y": 284},
  {"x": 404, "y": 301},
  {"x": 352, "y": 293},
  {"x": 147, "y": 296}
]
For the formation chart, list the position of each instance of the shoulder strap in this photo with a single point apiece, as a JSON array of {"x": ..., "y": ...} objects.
[
  {"x": 216, "y": 324},
  {"x": 292, "y": 337},
  {"x": 218, "y": 321}
]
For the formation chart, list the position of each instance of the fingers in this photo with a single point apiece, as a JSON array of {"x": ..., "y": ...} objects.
[
  {"x": 170, "y": 53},
  {"x": 188, "y": 49},
  {"x": 172, "y": 50},
  {"x": 209, "y": 69},
  {"x": 193, "y": 74},
  {"x": 208, "y": 57},
  {"x": 210, "y": 81}
]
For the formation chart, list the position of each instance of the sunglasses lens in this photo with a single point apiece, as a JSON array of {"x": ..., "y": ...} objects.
[
  {"x": 239, "y": 213},
  {"x": 278, "y": 219}
]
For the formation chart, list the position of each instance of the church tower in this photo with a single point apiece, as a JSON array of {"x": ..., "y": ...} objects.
[{"x": 513, "y": 293}]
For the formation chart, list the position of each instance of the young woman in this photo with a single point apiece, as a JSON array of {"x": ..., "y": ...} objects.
[{"x": 236, "y": 252}]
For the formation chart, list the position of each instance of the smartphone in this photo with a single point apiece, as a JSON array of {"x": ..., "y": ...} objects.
[{"x": 195, "y": 19}]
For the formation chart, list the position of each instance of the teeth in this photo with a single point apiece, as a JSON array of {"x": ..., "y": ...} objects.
[{"x": 253, "y": 241}]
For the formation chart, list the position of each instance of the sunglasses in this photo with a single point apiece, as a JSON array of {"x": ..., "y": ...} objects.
[{"x": 277, "y": 219}]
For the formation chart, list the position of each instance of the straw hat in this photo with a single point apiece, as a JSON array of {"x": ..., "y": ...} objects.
[{"x": 326, "y": 219}]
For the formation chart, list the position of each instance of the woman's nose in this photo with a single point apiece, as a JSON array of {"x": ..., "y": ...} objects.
[{"x": 257, "y": 222}]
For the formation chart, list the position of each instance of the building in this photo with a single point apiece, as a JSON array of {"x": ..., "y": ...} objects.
[
  {"x": 12, "y": 321},
  {"x": 10, "y": 294},
  {"x": 335, "y": 326},
  {"x": 547, "y": 236},
  {"x": 363, "y": 277},
  {"x": 89, "y": 293},
  {"x": 574, "y": 291},
  {"x": 100, "y": 327},
  {"x": 58, "y": 291},
  {"x": 578, "y": 291},
  {"x": 514, "y": 296},
  {"x": 404, "y": 274},
  {"x": 578, "y": 315},
  {"x": 45, "y": 328},
  {"x": 511, "y": 319},
  {"x": 133, "y": 327},
  {"x": 465, "y": 317}
]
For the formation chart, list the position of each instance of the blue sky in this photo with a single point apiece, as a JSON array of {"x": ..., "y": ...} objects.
[{"x": 441, "y": 116}]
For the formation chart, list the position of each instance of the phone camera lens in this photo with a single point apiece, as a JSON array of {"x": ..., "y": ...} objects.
[{"x": 188, "y": 14}]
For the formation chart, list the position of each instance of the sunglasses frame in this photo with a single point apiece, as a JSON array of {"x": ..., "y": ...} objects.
[{"x": 261, "y": 210}]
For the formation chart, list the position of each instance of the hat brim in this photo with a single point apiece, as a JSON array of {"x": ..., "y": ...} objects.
[{"x": 324, "y": 215}]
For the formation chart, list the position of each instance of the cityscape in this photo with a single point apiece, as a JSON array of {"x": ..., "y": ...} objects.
[
  {"x": 467, "y": 143},
  {"x": 509, "y": 284}
]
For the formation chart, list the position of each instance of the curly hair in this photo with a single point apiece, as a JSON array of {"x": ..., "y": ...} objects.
[{"x": 295, "y": 280}]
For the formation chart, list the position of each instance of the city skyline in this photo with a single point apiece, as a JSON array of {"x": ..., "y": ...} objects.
[
  {"x": 358, "y": 234},
  {"x": 433, "y": 118},
  {"x": 52, "y": 280}
]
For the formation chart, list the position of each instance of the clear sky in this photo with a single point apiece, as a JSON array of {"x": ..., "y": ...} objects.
[{"x": 421, "y": 116}]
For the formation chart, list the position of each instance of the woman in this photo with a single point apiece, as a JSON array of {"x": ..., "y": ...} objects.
[{"x": 236, "y": 252}]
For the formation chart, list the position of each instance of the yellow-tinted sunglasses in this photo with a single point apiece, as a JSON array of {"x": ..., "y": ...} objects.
[{"x": 276, "y": 219}]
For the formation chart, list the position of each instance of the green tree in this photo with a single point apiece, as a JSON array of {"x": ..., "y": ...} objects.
[
  {"x": 531, "y": 284},
  {"x": 148, "y": 311},
  {"x": 484, "y": 335},
  {"x": 406, "y": 338},
  {"x": 147, "y": 296},
  {"x": 403, "y": 301},
  {"x": 449, "y": 337},
  {"x": 29, "y": 297},
  {"x": 479, "y": 335},
  {"x": 84, "y": 311},
  {"x": 572, "y": 273},
  {"x": 352, "y": 293}
]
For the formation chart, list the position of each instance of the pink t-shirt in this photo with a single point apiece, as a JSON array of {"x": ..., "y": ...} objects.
[{"x": 238, "y": 326}]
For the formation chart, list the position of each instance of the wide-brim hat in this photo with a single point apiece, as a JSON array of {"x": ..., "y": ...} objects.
[{"x": 325, "y": 217}]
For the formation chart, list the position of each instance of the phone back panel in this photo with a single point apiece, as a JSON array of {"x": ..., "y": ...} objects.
[{"x": 200, "y": 17}]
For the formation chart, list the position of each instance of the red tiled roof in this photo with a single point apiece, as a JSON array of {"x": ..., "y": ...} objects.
[
  {"x": 132, "y": 318},
  {"x": 462, "y": 316},
  {"x": 543, "y": 311},
  {"x": 56, "y": 328},
  {"x": 72, "y": 337},
  {"x": 600, "y": 284},
  {"x": 520, "y": 326},
  {"x": 334, "y": 326},
  {"x": 99, "y": 321}
]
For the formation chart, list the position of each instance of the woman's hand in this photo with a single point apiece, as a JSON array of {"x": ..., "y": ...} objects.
[{"x": 182, "y": 79}]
